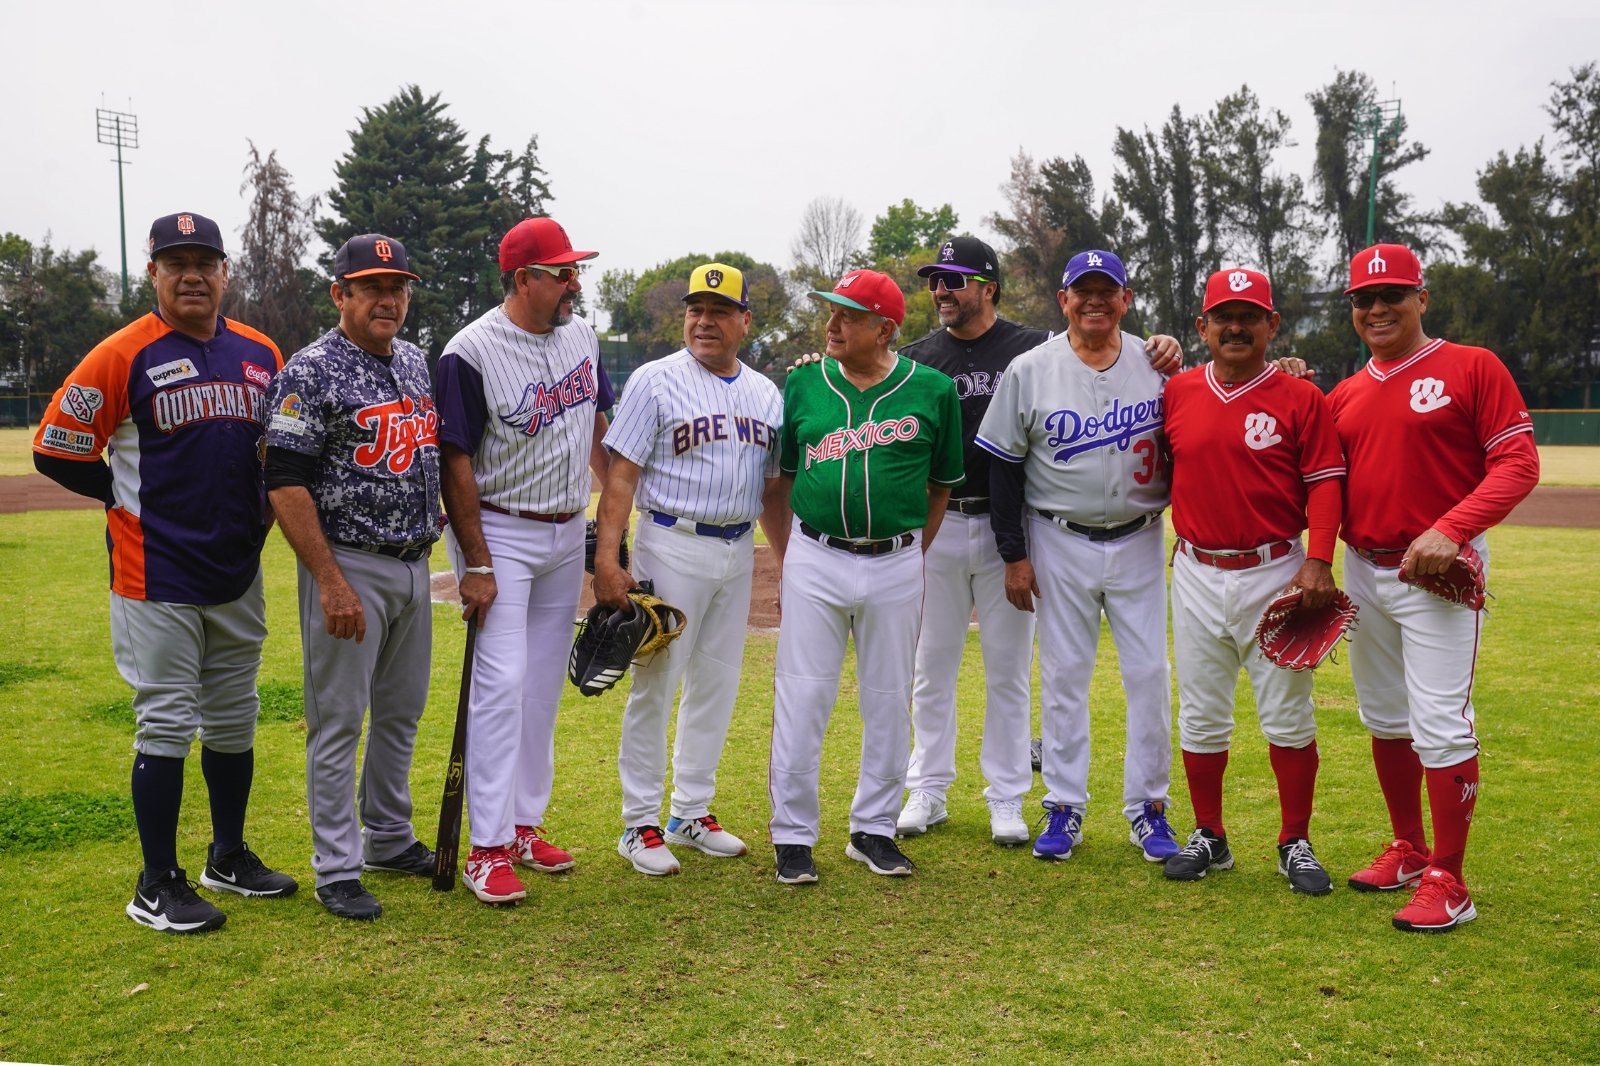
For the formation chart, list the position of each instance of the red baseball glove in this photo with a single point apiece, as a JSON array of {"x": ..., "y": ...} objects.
[
  {"x": 1462, "y": 582},
  {"x": 1297, "y": 638}
]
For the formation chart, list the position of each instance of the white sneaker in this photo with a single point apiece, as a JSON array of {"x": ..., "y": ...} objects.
[
  {"x": 642, "y": 845},
  {"x": 1005, "y": 822},
  {"x": 704, "y": 834},
  {"x": 923, "y": 810}
]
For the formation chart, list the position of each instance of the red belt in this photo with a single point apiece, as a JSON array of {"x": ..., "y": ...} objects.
[
  {"x": 1238, "y": 560},
  {"x": 1382, "y": 558},
  {"x": 558, "y": 517}
]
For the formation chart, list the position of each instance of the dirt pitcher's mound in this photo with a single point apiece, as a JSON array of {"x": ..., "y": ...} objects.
[{"x": 763, "y": 592}]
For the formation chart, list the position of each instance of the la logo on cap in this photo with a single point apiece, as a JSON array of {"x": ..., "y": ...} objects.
[
  {"x": 1238, "y": 281},
  {"x": 186, "y": 224},
  {"x": 714, "y": 278},
  {"x": 1377, "y": 264},
  {"x": 1095, "y": 260}
]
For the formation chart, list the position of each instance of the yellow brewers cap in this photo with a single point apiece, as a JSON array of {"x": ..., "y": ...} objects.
[{"x": 720, "y": 279}]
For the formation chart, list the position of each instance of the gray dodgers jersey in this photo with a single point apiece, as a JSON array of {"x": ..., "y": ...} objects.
[
  {"x": 1091, "y": 439},
  {"x": 706, "y": 444}
]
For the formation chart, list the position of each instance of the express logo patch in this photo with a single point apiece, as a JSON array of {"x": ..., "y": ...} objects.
[
  {"x": 259, "y": 376},
  {"x": 81, "y": 402},
  {"x": 167, "y": 373}
]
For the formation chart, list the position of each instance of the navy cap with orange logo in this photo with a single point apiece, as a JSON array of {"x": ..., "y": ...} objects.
[
  {"x": 183, "y": 229},
  {"x": 371, "y": 253}
]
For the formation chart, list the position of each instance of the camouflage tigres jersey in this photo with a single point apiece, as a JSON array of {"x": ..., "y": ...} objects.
[{"x": 372, "y": 424}]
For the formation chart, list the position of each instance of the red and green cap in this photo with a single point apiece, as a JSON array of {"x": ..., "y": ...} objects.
[{"x": 870, "y": 291}]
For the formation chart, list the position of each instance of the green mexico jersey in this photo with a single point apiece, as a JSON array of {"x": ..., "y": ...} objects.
[{"x": 861, "y": 460}]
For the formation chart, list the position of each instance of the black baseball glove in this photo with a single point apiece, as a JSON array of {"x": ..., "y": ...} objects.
[
  {"x": 608, "y": 640},
  {"x": 591, "y": 540}
]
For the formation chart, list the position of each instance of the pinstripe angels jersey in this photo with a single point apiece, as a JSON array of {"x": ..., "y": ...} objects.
[
  {"x": 523, "y": 406},
  {"x": 862, "y": 460},
  {"x": 706, "y": 444}
]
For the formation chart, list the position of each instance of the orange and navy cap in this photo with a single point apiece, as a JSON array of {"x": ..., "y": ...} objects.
[
  {"x": 185, "y": 228},
  {"x": 1238, "y": 283},
  {"x": 719, "y": 279},
  {"x": 539, "y": 241},
  {"x": 371, "y": 253},
  {"x": 870, "y": 291},
  {"x": 1385, "y": 264}
]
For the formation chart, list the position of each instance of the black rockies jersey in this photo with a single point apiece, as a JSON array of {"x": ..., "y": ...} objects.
[{"x": 976, "y": 367}]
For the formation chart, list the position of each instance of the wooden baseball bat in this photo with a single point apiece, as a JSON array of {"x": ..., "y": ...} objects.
[{"x": 446, "y": 851}]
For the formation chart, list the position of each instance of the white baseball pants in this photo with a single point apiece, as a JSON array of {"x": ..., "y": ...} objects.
[
  {"x": 828, "y": 596},
  {"x": 962, "y": 570},
  {"x": 1079, "y": 579}
]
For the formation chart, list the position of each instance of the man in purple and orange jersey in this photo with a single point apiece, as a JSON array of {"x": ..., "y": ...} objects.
[{"x": 177, "y": 399}]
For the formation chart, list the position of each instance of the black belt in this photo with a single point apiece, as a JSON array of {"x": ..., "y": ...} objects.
[
  {"x": 405, "y": 553},
  {"x": 1099, "y": 533},
  {"x": 704, "y": 529},
  {"x": 970, "y": 505},
  {"x": 858, "y": 547}
]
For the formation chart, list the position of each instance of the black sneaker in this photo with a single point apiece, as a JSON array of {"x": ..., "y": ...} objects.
[
  {"x": 348, "y": 899},
  {"x": 417, "y": 859},
  {"x": 170, "y": 903},
  {"x": 1204, "y": 852},
  {"x": 242, "y": 871},
  {"x": 795, "y": 866},
  {"x": 879, "y": 853},
  {"x": 1036, "y": 753},
  {"x": 1300, "y": 866}
]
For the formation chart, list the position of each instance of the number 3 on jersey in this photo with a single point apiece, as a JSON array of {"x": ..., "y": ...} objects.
[{"x": 1153, "y": 460}]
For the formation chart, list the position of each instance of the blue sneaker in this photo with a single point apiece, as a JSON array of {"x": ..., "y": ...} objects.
[
  {"x": 1063, "y": 833},
  {"x": 1152, "y": 834}
]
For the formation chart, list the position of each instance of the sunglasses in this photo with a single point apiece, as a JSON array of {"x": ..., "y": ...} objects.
[
  {"x": 563, "y": 274},
  {"x": 953, "y": 281},
  {"x": 1393, "y": 297}
]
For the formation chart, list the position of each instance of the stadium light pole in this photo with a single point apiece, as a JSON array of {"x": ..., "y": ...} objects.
[
  {"x": 121, "y": 130},
  {"x": 1383, "y": 126}
]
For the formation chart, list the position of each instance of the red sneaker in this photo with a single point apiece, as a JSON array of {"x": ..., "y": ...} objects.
[
  {"x": 489, "y": 874},
  {"x": 1441, "y": 904},
  {"x": 532, "y": 850},
  {"x": 1399, "y": 865}
]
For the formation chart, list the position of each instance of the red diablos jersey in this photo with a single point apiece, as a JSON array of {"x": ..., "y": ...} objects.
[
  {"x": 1243, "y": 457},
  {"x": 1416, "y": 432}
]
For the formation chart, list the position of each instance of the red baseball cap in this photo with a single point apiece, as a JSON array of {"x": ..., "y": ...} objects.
[
  {"x": 868, "y": 290},
  {"x": 1237, "y": 283},
  {"x": 1385, "y": 264},
  {"x": 538, "y": 240}
]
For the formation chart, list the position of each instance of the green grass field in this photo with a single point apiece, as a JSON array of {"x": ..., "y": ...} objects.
[
  {"x": 985, "y": 955},
  {"x": 1562, "y": 465}
]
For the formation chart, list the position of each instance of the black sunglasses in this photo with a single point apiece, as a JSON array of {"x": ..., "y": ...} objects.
[
  {"x": 954, "y": 281},
  {"x": 1365, "y": 298}
]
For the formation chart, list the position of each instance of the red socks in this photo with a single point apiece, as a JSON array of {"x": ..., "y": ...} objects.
[
  {"x": 1400, "y": 778},
  {"x": 1452, "y": 794},
  {"x": 1204, "y": 772},
  {"x": 1296, "y": 771}
]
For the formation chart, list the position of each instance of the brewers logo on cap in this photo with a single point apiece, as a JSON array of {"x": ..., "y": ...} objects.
[{"x": 720, "y": 279}]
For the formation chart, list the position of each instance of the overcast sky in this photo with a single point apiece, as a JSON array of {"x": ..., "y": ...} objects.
[{"x": 670, "y": 128}]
